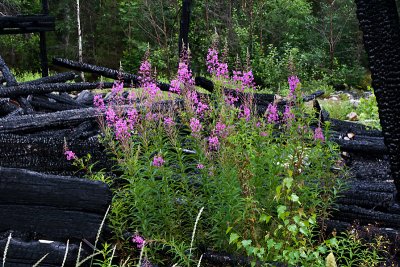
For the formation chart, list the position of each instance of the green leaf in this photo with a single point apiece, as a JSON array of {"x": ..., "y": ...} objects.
[
  {"x": 246, "y": 243},
  {"x": 233, "y": 238},
  {"x": 265, "y": 218},
  {"x": 294, "y": 198}
]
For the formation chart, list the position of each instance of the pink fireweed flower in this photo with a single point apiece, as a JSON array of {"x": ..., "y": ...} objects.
[
  {"x": 248, "y": 80},
  {"x": 319, "y": 135},
  {"x": 201, "y": 108},
  {"x": 272, "y": 113},
  {"x": 237, "y": 76},
  {"x": 145, "y": 73},
  {"x": 98, "y": 102},
  {"x": 158, "y": 161},
  {"x": 230, "y": 99},
  {"x": 263, "y": 134},
  {"x": 117, "y": 87},
  {"x": 293, "y": 83},
  {"x": 139, "y": 241},
  {"x": 200, "y": 166},
  {"x": 222, "y": 70},
  {"x": 111, "y": 117},
  {"x": 212, "y": 61},
  {"x": 288, "y": 115},
  {"x": 70, "y": 155},
  {"x": 132, "y": 117},
  {"x": 245, "y": 112},
  {"x": 121, "y": 130},
  {"x": 213, "y": 143},
  {"x": 185, "y": 74},
  {"x": 175, "y": 86},
  {"x": 132, "y": 96},
  {"x": 220, "y": 129},
  {"x": 152, "y": 90},
  {"x": 195, "y": 125},
  {"x": 168, "y": 122}
]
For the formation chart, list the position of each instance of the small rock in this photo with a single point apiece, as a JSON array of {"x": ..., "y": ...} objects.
[
  {"x": 334, "y": 98},
  {"x": 352, "y": 116},
  {"x": 354, "y": 102},
  {"x": 85, "y": 97},
  {"x": 350, "y": 135}
]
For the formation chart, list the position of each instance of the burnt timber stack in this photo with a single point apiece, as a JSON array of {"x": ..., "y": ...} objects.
[{"x": 38, "y": 118}]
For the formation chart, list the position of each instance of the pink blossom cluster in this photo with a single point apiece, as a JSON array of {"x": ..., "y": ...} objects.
[
  {"x": 139, "y": 241},
  {"x": 184, "y": 78},
  {"x": 318, "y": 134},
  {"x": 98, "y": 102},
  {"x": 221, "y": 130},
  {"x": 195, "y": 126},
  {"x": 122, "y": 130},
  {"x": 168, "y": 122},
  {"x": 245, "y": 112},
  {"x": 244, "y": 78},
  {"x": 272, "y": 113},
  {"x": 230, "y": 99},
  {"x": 158, "y": 161},
  {"x": 70, "y": 155},
  {"x": 213, "y": 143},
  {"x": 212, "y": 61},
  {"x": 145, "y": 73},
  {"x": 288, "y": 115},
  {"x": 293, "y": 83}
]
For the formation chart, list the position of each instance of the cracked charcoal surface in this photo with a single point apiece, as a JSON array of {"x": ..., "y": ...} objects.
[{"x": 379, "y": 22}]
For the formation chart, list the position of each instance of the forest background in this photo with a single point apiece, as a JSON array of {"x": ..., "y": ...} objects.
[{"x": 319, "y": 40}]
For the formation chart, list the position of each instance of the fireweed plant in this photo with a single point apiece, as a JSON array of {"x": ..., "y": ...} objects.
[{"x": 265, "y": 178}]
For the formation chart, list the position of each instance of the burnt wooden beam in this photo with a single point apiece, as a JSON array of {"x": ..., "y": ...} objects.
[
  {"x": 45, "y": 121},
  {"x": 45, "y": 103},
  {"x": 24, "y": 187},
  {"x": 26, "y": 24},
  {"x": 58, "y": 78},
  {"x": 30, "y": 89},
  {"x": 379, "y": 22},
  {"x": 24, "y": 253}
]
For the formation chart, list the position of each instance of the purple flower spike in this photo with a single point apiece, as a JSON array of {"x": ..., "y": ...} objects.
[
  {"x": 158, "y": 161},
  {"x": 139, "y": 241},
  {"x": 70, "y": 155},
  {"x": 319, "y": 135},
  {"x": 272, "y": 113},
  {"x": 293, "y": 83}
]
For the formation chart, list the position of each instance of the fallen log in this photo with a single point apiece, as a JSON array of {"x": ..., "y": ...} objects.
[
  {"x": 54, "y": 120},
  {"x": 58, "y": 78},
  {"x": 359, "y": 143},
  {"x": 39, "y": 89},
  {"x": 42, "y": 103},
  {"x": 67, "y": 99},
  {"x": 6, "y": 106},
  {"x": 24, "y": 253},
  {"x": 103, "y": 71}
]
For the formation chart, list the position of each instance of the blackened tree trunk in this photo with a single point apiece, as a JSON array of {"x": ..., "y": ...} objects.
[
  {"x": 185, "y": 23},
  {"x": 379, "y": 22}
]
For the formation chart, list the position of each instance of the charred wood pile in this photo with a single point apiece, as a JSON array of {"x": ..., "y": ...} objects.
[{"x": 39, "y": 118}]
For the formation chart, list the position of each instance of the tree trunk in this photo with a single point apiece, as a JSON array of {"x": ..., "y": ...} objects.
[{"x": 379, "y": 22}]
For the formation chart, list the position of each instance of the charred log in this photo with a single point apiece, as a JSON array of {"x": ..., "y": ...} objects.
[
  {"x": 58, "y": 78},
  {"x": 29, "y": 89},
  {"x": 61, "y": 119},
  {"x": 45, "y": 103},
  {"x": 26, "y": 253}
]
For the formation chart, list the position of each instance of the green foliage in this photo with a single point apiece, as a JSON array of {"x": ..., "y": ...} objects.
[
  {"x": 368, "y": 112},
  {"x": 338, "y": 109}
]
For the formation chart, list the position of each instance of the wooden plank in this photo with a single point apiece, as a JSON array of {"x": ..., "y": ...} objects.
[
  {"x": 23, "y": 187},
  {"x": 26, "y": 253}
]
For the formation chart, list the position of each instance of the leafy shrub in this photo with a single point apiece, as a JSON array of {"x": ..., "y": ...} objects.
[{"x": 264, "y": 178}]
